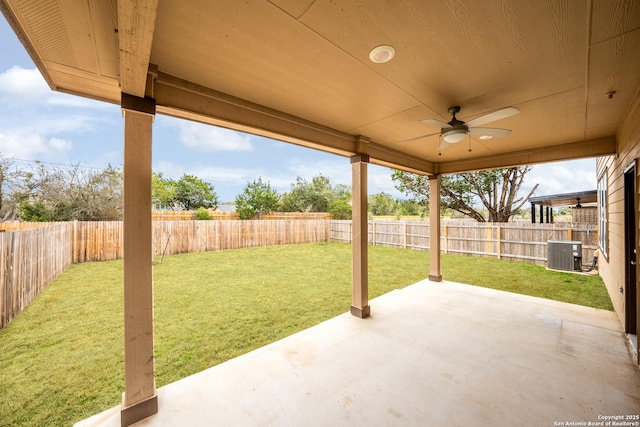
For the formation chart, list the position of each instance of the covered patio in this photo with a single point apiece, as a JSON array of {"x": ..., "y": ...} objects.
[
  {"x": 376, "y": 82},
  {"x": 431, "y": 354}
]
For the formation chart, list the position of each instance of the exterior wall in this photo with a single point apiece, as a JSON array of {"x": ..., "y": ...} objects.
[{"x": 612, "y": 265}]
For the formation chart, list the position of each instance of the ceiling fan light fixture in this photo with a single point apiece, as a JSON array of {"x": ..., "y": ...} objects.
[
  {"x": 485, "y": 137},
  {"x": 454, "y": 135},
  {"x": 382, "y": 54}
]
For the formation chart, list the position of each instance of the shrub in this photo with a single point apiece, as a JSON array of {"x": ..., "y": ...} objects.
[{"x": 203, "y": 214}]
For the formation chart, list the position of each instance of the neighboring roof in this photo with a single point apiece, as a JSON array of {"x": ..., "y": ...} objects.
[
  {"x": 299, "y": 70},
  {"x": 567, "y": 199}
]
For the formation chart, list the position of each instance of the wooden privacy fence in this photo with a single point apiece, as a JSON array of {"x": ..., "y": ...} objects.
[
  {"x": 29, "y": 261},
  {"x": 522, "y": 242},
  {"x": 102, "y": 241}
]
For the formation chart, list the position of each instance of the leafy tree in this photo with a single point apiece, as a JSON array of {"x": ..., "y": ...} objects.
[
  {"x": 314, "y": 196},
  {"x": 409, "y": 207},
  {"x": 34, "y": 212},
  {"x": 496, "y": 189},
  {"x": 192, "y": 193},
  {"x": 382, "y": 204},
  {"x": 341, "y": 209},
  {"x": 163, "y": 191},
  {"x": 256, "y": 199}
]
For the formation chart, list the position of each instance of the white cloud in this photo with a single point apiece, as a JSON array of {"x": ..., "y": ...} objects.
[
  {"x": 562, "y": 177},
  {"x": 215, "y": 175},
  {"x": 380, "y": 181},
  {"x": 337, "y": 169},
  {"x": 60, "y": 144},
  {"x": 22, "y": 84},
  {"x": 30, "y": 145},
  {"x": 207, "y": 138}
]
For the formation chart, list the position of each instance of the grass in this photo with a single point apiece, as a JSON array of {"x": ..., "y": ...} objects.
[{"x": 62, "y": 358}]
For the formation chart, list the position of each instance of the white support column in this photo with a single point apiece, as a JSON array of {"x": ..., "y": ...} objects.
[
  {"x": 360, "y": 258},
  {"x": 139, "y": 399},
  {"x": 435, "y": 273}
]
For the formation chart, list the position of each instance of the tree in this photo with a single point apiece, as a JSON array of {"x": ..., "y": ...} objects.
[
  {"x": 318, "y": 196},
  {"x": 314, "y": 196},
  {"x": 10, "y": 176},
  {"x": 163, "y": 191},
  {"x": 70, "y": 193},
  {"x": 256, "y": 199},
  {"x": 409, "y": 207},
  {"x": 192, "y": 193},
  {"x": 341, "y": 209},
  {"x": 382, "y": 204},
  {"x": 496, "y": 189}
]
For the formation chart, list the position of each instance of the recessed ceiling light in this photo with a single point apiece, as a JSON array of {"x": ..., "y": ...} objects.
[
  {"x": 485, "y": 137},
  {"x": 381, "y": 54}
]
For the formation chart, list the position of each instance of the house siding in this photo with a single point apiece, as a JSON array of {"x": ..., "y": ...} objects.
[{"x": 612, "y": 265}]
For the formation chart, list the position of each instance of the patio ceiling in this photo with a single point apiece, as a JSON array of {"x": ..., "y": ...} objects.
[{"x": 299, "y": 70}]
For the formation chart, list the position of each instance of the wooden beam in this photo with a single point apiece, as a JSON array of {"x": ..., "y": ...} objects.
[
  {"x": 360, "y": 258},
  {"x": 136, "y": 25},
  {"x": 435, "y": 271},
  {"x": 571, "y": 151}
]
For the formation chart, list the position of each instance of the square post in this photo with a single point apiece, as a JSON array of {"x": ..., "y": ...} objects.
[
  {"x": 533, "y": 213},
  {"x": 360, "y": 257},
  {"x": 139, "y": 399},
  {"x": 435, "y": 272},
  {"x": 541, "y": 214}
]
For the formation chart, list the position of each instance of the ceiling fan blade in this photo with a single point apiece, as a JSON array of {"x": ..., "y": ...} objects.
[
  {"x": 443, "y": 144},
  {"x": 419, "y": 137},
  {"x": 492, "y": 117},
  {"x": 434, "y": 122},
  {"x": 489, "y": 132}
]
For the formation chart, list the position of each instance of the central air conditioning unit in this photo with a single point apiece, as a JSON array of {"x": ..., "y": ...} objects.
[{"x": 564, "y": 255}]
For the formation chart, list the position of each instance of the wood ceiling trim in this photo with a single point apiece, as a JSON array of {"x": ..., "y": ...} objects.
[
  {"x": 136, "y": 25},
  {"x": 574, "y": 150},
  {"x": 180, "y": 98},
  {"x": 82, "y": 83}
]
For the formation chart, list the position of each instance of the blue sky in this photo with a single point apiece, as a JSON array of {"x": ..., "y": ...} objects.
[{"x": 51, "y": 127}]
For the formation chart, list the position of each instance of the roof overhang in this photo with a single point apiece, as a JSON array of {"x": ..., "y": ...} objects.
[{"x": 299, "y": 71}]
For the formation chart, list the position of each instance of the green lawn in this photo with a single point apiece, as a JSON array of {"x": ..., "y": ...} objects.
[{"x": 61, "y": 360}]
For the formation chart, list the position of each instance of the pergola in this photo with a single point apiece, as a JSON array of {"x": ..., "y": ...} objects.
[
  {"x": 300, "y": 71},
  {"x": 546, "y": 203}
]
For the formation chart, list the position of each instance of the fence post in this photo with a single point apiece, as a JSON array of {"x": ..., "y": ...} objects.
[
  {"x": 446, "y": 240},
  {"x": 74, "y": 243},
  {"x": 488, "y": 246},
  {"x": 373, "y": 233},
  {"x": 499, "y": 242},
  {"x": 569, "y": 234},
  {"x": 404, "y": 236}
]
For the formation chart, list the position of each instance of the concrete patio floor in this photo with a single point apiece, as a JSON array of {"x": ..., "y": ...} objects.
[{"x": 432, "y": 354}]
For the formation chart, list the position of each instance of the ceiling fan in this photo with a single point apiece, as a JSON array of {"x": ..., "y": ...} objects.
[{"x": 456, "y": 130}]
